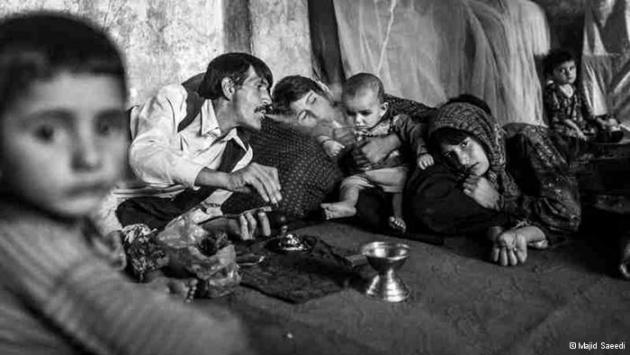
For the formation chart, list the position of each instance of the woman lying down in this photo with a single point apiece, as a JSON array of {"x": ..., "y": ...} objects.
[{"x": 538, "y": 196}]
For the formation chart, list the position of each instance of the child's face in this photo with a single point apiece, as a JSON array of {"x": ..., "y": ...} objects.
[
  {"x": 564, "y": 73},
  {"x": 364, "y": 108},
  {"x": 469, "y": 154},
  {"x": 63, "y": 144}
]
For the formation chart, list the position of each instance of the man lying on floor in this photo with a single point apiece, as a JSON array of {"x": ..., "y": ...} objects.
[
  {"x": 192, "y": 143},
  {"x": 189, "y": 148}
]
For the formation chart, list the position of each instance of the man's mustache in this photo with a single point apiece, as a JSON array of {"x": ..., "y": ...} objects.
[{"x": 269, "y": 108}]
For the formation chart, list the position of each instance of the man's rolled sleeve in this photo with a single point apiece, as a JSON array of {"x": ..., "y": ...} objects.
[
  {"x": 185, "y": 172},
  {"x": 154, "y": 156}
]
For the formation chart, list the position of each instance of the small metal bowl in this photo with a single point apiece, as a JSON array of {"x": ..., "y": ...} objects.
[
  {"x": 388, "y": 253},
  {"x": 386, "y": 258},
  {"x": 290, "y": 243}
]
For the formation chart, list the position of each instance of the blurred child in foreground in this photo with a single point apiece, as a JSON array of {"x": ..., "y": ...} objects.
[{"x": 62, "y": 147}]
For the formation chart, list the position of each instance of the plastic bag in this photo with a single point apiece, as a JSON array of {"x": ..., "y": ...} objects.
[{"x": 207, "y": 255}]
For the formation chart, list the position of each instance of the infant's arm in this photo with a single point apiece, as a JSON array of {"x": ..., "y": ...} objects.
[
  {"x": 330, "y": 146},
  {"x": 413, "y": 134}
]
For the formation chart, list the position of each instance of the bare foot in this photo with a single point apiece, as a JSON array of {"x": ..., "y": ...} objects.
[
  {"x": 180, "y": 288},
  {"x": 338, "y": 210},
  {"x": 397, "y": 224}
]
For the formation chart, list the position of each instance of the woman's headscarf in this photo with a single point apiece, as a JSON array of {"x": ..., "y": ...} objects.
[{"x": 483, "y": 127}]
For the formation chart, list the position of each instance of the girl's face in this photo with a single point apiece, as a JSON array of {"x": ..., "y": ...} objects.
[
  {"x": 564, "y": 73},
  {"x": 63, "y": 143},
  {"x": 469, "y": 154}
]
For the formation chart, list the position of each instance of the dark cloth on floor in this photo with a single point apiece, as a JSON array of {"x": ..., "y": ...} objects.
[{"x": 298, "y": 276}]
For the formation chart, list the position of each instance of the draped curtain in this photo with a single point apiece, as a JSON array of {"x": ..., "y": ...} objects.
[
  {"x": 606, "y": 57},
  {"x": 430, "y": 50}
]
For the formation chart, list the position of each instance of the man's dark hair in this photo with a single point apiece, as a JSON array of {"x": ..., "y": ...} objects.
[
  {"x": 291, "y": 89},
  {"x": 473, "y": 100},
  {"x": 555, "y": 58},
  {"x": 362, "y": 81},
  {"x": 41, "y": 45},
  {"x": 234, "y": 66}
]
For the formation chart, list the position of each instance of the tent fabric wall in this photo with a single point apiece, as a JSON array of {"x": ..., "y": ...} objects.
[
  {"x": 606, "y": 57},
  {"x": 430, "y": 50},
  {"x": 327, "y": 66}
]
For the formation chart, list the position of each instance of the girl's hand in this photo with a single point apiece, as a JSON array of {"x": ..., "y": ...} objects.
[
  {"x": 425, "y": 161},
  {"x": 480, "y": 189},
  {"x": 509, "y": 248}
]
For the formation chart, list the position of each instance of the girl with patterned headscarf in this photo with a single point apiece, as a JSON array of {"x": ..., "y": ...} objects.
[{"x": 529, "y": 181}]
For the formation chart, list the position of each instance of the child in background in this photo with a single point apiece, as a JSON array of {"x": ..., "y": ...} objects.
[
  {"x": 62, "y": 147},
  {"x": 567, "y": 111},
  {"x": 363, "y": 101}
]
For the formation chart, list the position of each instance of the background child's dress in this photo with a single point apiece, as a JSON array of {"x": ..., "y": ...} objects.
[{"x": 560, "y": 107}]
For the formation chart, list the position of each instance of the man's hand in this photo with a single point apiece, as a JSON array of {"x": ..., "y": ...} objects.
[
  {"x": 332, "y": 147},
  {"x": 425, "y": 161},
  {"x": 245, "y": 226},
  {"x": 480, "y": 189},
  {"x": 263, "y": 179},
  {"x": 373, "y": 150}
]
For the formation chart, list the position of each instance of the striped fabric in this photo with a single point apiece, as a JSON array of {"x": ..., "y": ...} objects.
[{"x": 58, "y": 296}]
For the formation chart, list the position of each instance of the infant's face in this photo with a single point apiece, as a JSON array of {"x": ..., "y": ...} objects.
[
  {"x": 565, "y": 73},
  {"x": 63, "y": 145},
  {"x": 364, "y": 108}
]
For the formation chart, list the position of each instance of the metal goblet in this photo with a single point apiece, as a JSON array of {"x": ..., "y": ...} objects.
[{"x": 386, "y": 258}]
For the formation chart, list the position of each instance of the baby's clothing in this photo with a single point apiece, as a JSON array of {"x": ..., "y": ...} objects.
[{"x": 389, "y": 174}]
